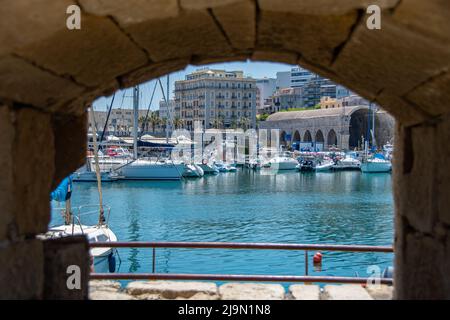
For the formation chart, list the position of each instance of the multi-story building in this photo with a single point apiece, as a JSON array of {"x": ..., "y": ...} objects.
[
  {"x": 216, "y": 98},
  {"x": 283, "y": 79},
  {"x": 167, "y": 112},
  {"x": 120, "y": 121},
  {"x": 316, "y": 88},
  {"x": 287, "y": 98},
  {"x": 266, "y": 88},
  {"x": 300, "y": 76}
]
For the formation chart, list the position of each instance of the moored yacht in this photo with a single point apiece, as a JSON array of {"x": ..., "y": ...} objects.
[
  {"x": 283, "y": 162},
  {"x": 377, "y": 164}
]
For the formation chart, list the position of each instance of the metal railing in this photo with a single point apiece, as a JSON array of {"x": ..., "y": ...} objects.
[{"x": 239, "y": 245}]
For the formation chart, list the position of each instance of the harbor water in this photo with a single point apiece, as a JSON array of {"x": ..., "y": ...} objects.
[{"x": 246, "y": 206}]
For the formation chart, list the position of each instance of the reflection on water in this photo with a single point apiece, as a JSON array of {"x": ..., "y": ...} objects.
[{"x": 330, "y": 208}]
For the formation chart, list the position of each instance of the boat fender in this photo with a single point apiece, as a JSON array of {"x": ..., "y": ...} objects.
[
  {"x": 112, "y": 262},
  {"x": 317, "y": 258}
]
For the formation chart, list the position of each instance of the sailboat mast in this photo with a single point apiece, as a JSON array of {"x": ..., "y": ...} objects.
[
  {"x": 101, "y": 218},
  {"x": 135, "y": 120}
]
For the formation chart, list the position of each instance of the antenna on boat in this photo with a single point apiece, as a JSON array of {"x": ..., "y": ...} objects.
[{"x": 101, "y": 218}]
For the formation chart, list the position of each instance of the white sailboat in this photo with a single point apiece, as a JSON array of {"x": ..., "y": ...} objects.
[
  {"x": 376, "y": 165},
  {"x": 143, "y": 169}
]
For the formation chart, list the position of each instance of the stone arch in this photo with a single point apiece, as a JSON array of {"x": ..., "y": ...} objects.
[
  {"x": 120, "y": 45},
  {"x": 283, "y": 138},
  {"x": 296, "y": 137},
  {"x": 319, "y": 136},
  {"x": 307, "y": 136},
  {"x": 332, "y": 138}
]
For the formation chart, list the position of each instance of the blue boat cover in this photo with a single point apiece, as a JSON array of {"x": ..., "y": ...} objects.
[{"x": 63, "y": 191}]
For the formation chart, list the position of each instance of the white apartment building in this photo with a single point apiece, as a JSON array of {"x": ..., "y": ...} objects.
[{"x": 216, "y": 98}]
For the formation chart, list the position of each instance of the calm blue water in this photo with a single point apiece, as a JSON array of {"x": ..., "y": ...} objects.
[{"x": 327, "y": 208}]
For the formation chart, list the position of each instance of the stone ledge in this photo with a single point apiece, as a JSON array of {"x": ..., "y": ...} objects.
[
  {"x": 345, "y": 292},
  {"x": 251, "y": 291},
  {"x": 304, "y": 292},
  {"x": 172, "y": 290}
]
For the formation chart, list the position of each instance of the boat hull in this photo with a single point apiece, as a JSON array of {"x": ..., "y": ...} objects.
[
  {"x": 152, "y": 171},
  {"x": 376, "y": 167}
]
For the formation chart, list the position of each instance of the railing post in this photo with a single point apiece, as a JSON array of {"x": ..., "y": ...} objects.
[
  {"x": 154, "y": 260},
  {"x": 306, "y": 262}
]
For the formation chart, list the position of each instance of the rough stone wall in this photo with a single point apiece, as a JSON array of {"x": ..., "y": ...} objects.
[
  {"x": 421, "y": 189},
  {"x": 49, "y": 75}
]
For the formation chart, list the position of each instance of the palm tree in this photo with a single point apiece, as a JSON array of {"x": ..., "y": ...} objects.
[
  {"x": 244, "y": 123},
  {"x": 142, "y": 123},
  {"x": 154, "y": 120},
  {"x": 234, "y": 123},
  {"x": 218, "y": 122},
  {"x": 163, "y": 123},
  {"x": 177, "y": 123}
]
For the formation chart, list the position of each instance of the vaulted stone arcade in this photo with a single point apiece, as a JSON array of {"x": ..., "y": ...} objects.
[{"x": 49, "y": 75}]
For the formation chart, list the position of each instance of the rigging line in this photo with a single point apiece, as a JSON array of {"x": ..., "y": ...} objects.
[
  {"x": 107, "y": 119},
  {"x": 148, "y": 110}
]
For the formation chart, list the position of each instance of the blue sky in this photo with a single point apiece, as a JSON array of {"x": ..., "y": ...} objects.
[{"x": 124, "y": 97}]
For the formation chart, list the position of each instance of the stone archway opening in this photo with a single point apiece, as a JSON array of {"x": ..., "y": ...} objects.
[
  {"x": 50, "y": 75},
  {"x": 332, "y": 139},
  {"x": 307, "y": 136}
]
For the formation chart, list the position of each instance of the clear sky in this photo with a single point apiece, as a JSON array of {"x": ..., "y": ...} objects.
[{"x": 124, "y": 97}]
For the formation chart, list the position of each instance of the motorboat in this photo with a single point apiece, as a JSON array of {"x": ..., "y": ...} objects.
[
  {"x": 349, "y": 162},
  {"x": 377, "y": 164},
  {"x": 193, "y": 171},
  {"x": 283, "y": 162},
  {"x": 325, "y": 165},
  {"x": 207, "y": 167},
  {"x": 224, "y": 167}
]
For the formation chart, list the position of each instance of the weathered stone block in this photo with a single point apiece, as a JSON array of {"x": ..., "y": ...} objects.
[
  {"x": 109, "y": 295},
  {"x": 304, "y": 34},
  {"x": 239, "y": 23},
  {"x": 153, "y": 71},
  {"x": 323, "y": 7},
  {"x": 403, "y": 112},
  {"x": 346, "y": 292},
  {"x": 384, "y": 59},
  {"x": 131, "y": 11},
  {"x": 104, "y": 285},
  {"x": 171, "y": 289},
  {"x": 381, "y": 292},
  {"x": 413, "y": 168},
  {"x": 59, "y": 255},
  {"x": 25, "y": 83},
  {"x": 70, "y": 145},
  {"x": 32, "y": 178},
  {"x": 304, "y": 292},
  {"x": 24, "y": 22},
  {"x": 427, "y": 17},
  {"x": 22, "y": 270},
  {"x": 442, "y": 182},
  {"x": 184, "y": 31},
  {"x": 7, "y": 133},
  {"x": 421, "y": 267},
  {"x": 92, "y": 55},
  {"x": 433, "y": 95},
  {"x": 267, "y": 55},
  {"x": 251, "y": 291},
  {"x": 204, "y": 4}
]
